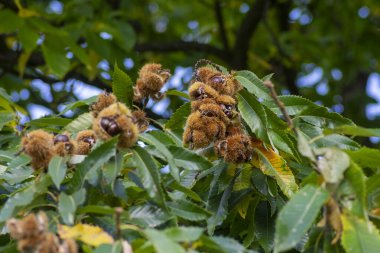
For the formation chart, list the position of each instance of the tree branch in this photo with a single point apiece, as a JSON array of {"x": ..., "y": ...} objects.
[
  {"x": 181, "y": 46},
  {"x": 222, "y": 28},
  {"x": 246, "y": 30}
]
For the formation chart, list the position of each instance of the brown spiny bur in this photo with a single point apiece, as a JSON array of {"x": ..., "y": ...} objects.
[
  {"x": 38, "y": 144},
  {"x": 199, "y": 91},
  {"x": 234, "y": 149},
  {"x": 151, "y": 79},
  {"x": 224, "y": 84},
  {"x": 104, "y": 100},
  {"x": 205, "y": 126},
  {"x": 63, "y": 145},
  {"x": 32, "y": 235},
  {"x": 228, "y": 105},
  {"x": 85, "y": 140},
  {"x": 140, "y": 119},
  {"x": 233, "y": 129},
  {"x": 31, "y": 226},
  {"x": 116, "y": 120}
]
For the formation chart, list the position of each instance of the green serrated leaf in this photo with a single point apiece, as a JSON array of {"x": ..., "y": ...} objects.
[
  {"x": 53, "y": 50},
  {"x": 188, "y": 210},
  {"x": 99, "y": 156},
  {"x": 184, "y": 234},
  {"x": 359, "y": 236},
  {"x": 48, "y": 122},
  {"x": 83, "y": 122},
  {"x": 77, "y": 104},
  {"x": 177, "y": 93},
  {"x": 57, "y": 169},
  {"x": 321, "y": 117},
  {"x": 66, "y": 208},
  {"x": 147, "y": 216},
  {"x": 293, "y": 104},
  {"x": 162, "y": 243},
  {"x": 253, "y": 114},
  {"x": 297, "y": 216},
  {"x": 148, "y": 174},
  {"x": 13, "y": 21},
  {"x": 365, "y": 157},
  {"x": 354, "y": 130},
  {"x": 189, "y": 160},
  {"x": 122, "y": 86},
  {"x": 355, "y": 176},
  {"x": 179, "y": 117},
  {"x": 253, "y": 84}
]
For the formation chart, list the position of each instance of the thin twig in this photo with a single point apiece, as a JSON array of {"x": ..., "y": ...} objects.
[
  {"x": 118, "y": 211},
  {"x": 279, "y": 103}
]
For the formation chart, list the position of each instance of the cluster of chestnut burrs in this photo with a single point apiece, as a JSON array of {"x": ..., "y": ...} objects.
[
  {"x": 214, "y": 118},
  {"x": 32, "y": 235},
  {"x": 110, "y": 118}
]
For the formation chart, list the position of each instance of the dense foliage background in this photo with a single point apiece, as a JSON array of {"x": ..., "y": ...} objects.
[
  {"x": 324, "y": 50},
  {"x": 314, "y": 188}
]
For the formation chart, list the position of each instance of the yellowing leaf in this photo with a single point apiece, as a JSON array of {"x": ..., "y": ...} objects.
[
  {"x": 25, "y": 13},
  {"x": 272, "y": 164},
  {"x": 90, "y": 235}
]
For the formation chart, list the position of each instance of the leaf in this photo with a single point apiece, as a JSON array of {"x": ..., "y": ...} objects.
[
  {"x": 147, "y": 216},
  {"x": 179, "y": 117},
  {"x": 99, "y": 156},
  {"x": 6, "y": 118},
  {"x": 359, "y": 236},
  {"x": 274, "y": 165},
  {"x": 122, "y": 86},
  {"x": 297, "y": 216},
  {"x": 336, "y": 140},
  {"x": 184, "y": 234},
  {"x": 365, "y": 157},
  {"x": 188, "y": 160},
  {"x": 220, "y": 211},
  {"x": 254, "y": 115},
  {"x": 46, "y": 122},
  {"x": 177, "y": 93},
  {"x": 16, "y": 175},
  {"x": 354, "y": 130},
  {"x": 355, "y": 176},
  {"x": 53, "y": 50},
  {"x": 253, "y": 84},
  {"x": 162, "y": 243},
  {"x": 321, "y": 117},
  {"x": 57, "y": 169},
  {"x": 156, "y": 140},
  {"x": 188, "y": 210},
  {"x": 24, "y": 197},
  {"x": 83, "y": 122},
  {"x": 66, "y": 208},
  {"x": 28, "y": 38},
  {"x": 13, "y": 22},
  {"x": 77, "y": 104},
  {"x": 293, "y": 104},
  {"x": 90, "y": 235},
  {"x": 148, "y": 174},
  {"x": 332, "y": 163}
]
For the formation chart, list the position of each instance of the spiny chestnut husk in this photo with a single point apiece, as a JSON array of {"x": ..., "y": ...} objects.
[
  {"x": 63, "y": 145},
  {"x": 32, "y": 235},
  {"x": 38, "y": 144},
  {"x": 85, "y": 141},
  {"x": 151, "y": 79},
  {"x": 228, "y": 105},
  {"x": 205, "y": 126},
  {"x": 223, "y": 84},
  {"x": 199, "y": 91},
  {"x": 235, "y": 149},
  {"x": 104, "y": 100},
  {"x": 116, "y": 120},
  {"x": 140, "y": 119}
]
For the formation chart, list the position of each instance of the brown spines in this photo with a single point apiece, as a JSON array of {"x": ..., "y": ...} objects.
[
  {"x": 32, "y": 235},
  {"x": 202, "y": 130},
  {"x": 224, "y": 84},
  {"x": 116, "y": 120},
  {"x": 63, "y": 145},
  {"x": 38, "y": 144},
  {"x": 199, "y": 91},
  {"x": 104, "y": 100},
  {"x": 85, "y": 140},
  {"x": 151, "y": 79},
  {"x": 235, "y": 148},
  {"x": 228, "y": 105},
  {"x": 140, "y": 119}
]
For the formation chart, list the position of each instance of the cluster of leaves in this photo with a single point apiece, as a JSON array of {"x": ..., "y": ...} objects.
[{"x": 310, "y": 188}]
